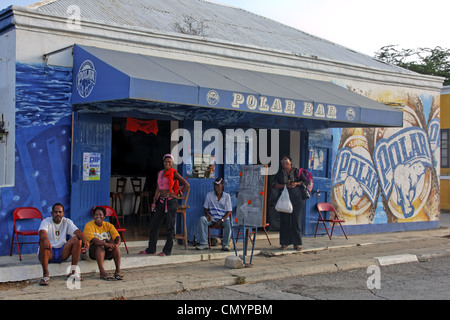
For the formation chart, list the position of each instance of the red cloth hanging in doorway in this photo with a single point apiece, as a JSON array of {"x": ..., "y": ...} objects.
[{"x": 147, "y": 126}]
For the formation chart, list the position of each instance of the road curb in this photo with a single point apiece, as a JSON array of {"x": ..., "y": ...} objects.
[
  {"x": 427, "y": 256},
  {"x": 396, "y": 259}
]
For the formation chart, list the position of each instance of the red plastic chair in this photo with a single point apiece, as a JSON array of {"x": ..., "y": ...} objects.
[
  {"x": 111, "y": 213},
  {"x": 324, "y": 207},
  {"x": 21, "y": 214}
]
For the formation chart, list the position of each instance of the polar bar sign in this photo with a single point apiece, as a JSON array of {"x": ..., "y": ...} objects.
[
  {"x": 280, "y": 106},
  {"x": 103, "y": 75}
]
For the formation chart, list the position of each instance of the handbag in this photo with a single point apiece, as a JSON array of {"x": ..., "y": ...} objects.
[
  {"x": 306, "y": 190},
  {"x": 284, "y": 203},
  {"x": 305, "y": 193}
]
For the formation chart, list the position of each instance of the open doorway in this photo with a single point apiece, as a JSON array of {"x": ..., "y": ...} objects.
[{"x": 137, "y": 152}]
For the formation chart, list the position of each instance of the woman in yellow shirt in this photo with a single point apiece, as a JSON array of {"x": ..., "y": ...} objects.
[{"x": 104, "y": 243}]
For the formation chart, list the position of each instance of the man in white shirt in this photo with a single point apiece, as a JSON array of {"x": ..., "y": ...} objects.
[
  {"x": 53, "y": 244},
  {"x": 217, "y": 208}
]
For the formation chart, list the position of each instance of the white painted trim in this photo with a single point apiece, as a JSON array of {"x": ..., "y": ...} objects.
[{"x": 445, "y": 90}]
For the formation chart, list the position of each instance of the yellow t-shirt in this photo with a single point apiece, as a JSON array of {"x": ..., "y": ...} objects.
[{"x": 105, "y": 233}]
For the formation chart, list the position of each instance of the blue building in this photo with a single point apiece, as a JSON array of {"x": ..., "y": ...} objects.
[{"x": 88, "y": 95}]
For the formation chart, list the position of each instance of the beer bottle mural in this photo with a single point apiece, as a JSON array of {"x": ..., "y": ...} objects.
[
  {"x": 396, "y": 165},
  {"x": 434, "y": 133},
  {"x": 355, "y": 181}
]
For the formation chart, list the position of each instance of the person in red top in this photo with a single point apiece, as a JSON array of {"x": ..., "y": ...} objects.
[{"x": 165, "y": 205}]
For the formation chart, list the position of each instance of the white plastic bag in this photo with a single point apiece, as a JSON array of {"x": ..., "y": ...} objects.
[{"x": 284, "y": 203}]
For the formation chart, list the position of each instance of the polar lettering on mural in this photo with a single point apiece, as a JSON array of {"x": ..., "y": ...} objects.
[
  {"x": 401, "y": 163},
  {"x": 357, "y": 174}
]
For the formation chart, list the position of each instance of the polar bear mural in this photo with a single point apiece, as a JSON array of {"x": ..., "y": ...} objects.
[
  {"x": 353, "y": 192},
  {"x": 406, "y": 179}
]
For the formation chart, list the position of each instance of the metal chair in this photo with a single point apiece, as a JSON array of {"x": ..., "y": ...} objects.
[
  {"x": 144, "y": 198},
  {"x": 110, "y": 212},
  {"x": 23, "y": 213},
  {"x": 118, "y": 196},
  {"x": 136, "y": 183},
  {"x": 324, "y": 207},
  {"x": 182, "y": 210}
]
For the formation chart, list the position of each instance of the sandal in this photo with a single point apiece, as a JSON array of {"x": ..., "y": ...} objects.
[
  {"x": 162, "y": 254},
  {"x": 44, "y": 281},
  {"x": 283, "y": 247},
  {"x": 107, "y": 278},
  {"x": 297, "y": 248},
  {"x": 118, "y": 276},
  {"x": 145, "y": 252}
]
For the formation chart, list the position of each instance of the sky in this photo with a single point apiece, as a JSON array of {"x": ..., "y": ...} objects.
[{"x": 364, "y": 26}]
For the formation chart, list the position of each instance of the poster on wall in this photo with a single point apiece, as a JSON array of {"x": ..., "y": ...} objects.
[{"x": 91, "y": 166}]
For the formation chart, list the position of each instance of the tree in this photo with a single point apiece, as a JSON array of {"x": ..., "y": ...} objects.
[
  {"x": 191, "y": 26},
  {"x": 434, "y": 62}
]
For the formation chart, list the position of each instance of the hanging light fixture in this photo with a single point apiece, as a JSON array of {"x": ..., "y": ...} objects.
[{"x": 3, "y": 131}]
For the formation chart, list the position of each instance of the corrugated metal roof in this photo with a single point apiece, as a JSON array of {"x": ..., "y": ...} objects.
[
  {"x": 445, "y": 90},
  {"x": 222, "y": 22}
]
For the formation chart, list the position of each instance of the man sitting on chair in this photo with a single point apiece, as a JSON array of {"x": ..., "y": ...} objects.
[{"x": 217, "y": 208}]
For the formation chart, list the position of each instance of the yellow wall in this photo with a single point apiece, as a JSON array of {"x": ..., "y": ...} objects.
[
  {"x": 445, "y": 111},
  {"x": 445, "y": 192},
  {"x": 445, "y": 182}
]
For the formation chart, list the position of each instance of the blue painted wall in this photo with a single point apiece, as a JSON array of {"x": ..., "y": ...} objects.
[{"x": 43, "y": 146}]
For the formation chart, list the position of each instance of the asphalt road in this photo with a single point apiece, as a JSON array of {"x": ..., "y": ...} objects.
[{"x": 426, "y": 280}]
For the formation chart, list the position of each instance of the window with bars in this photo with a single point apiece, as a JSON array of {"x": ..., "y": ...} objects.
[{"x": 445, "y": 156}]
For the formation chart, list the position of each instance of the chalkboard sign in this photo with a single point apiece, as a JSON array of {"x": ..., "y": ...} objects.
[{"x": 252, "y": 196}]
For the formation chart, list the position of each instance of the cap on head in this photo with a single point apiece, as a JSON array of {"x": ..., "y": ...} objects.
[{"x": 168, "y": 156}]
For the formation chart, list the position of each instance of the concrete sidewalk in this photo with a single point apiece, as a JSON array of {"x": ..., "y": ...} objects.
[
  {"x": 193, "y": 269},
  {"x": 12, "y": 269}
]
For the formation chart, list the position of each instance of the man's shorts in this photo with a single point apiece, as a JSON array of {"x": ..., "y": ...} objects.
[{"x": 56, "y": 255}]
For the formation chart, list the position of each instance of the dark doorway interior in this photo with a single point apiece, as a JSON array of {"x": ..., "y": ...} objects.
[{"x": 138, "y": 154}]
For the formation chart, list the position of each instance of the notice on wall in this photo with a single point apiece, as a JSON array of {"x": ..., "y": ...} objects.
[{"x": 91, "y": 166}]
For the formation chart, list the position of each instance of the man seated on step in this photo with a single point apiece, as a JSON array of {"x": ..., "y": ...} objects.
[
  {"x": 217, "y": 208},
  {"x": 53, "y": 244}
]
